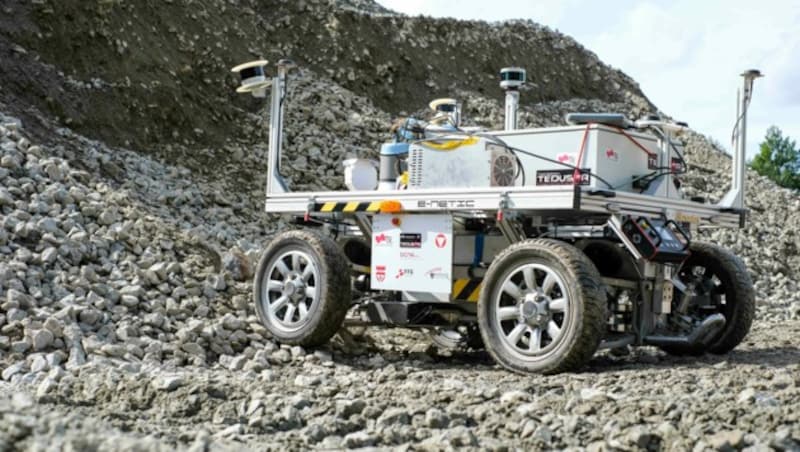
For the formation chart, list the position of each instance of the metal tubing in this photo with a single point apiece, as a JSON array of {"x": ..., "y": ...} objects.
[
  {"x": 364, "y": 225},
  {"x": 618, "y": 343},
  {"x": 735, "y": 143},
  {"x": 274, "y": 149},
  {"x": 511, "y": 230},
  {"x": 735, "y": 197},
  {"x": 512, "y": 107},
  {"x": 702, "y": 334},
  {"x": 275, "y": 183},
  {"x": 615, "y": 224}
]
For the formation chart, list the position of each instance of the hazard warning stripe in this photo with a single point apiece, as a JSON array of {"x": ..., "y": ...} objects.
[
  {"x": 467, "y": 289},
  {"x": 352, "y": 206}
]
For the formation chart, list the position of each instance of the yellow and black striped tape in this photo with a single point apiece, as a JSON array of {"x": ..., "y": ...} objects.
[
  {"x": 466, "y": 289},
  {"x": 353, "y": 206}
]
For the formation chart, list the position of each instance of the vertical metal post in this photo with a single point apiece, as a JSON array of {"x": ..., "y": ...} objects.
[
  {"x": 738, "y": 167},
  {"x": 735, "y": 142},
  {"x": 511, "y": 79},
  {"x": 274, "y": 149},
  {"x": 666, "y": 162},
  {"x": 512, "y": 107},
  {"x": 735, "y": 197},
  {"x": 275, "y": 183}
]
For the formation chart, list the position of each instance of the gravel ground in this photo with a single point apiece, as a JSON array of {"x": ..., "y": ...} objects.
[
  {"x": 393, "y": 397},
  {"x": 127, "y": 325},
  {"x": 125, "y": 310}
]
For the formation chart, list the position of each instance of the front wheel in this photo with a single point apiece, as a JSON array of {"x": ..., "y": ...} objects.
[
  {"x": 541, "y": 308},
  {"x": 302, "y": 288}
]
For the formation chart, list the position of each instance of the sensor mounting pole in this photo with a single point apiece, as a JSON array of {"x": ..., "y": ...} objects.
[
  {"x": 511, "y": 79},
  {"x": 275, "y": 183},
  {"x": 254, "y": 82},
  {"x": 734, "y": 199}
]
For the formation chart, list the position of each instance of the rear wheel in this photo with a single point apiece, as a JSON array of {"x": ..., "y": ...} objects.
[
  {"x": 722, "y": 285},
  {"x": 541, "y": 308},
  {"x": 302, "y": 288}
]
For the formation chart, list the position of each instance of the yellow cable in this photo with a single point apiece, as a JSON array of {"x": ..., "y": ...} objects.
[{"x": 450, "y": 145}]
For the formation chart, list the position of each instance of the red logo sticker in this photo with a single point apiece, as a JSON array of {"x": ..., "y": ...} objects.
[
  {"x": 383, "y": 239},
  {"x": 440, "y": 241},
  {"x": 380, "y": 272},
  {"x": 612, "y": 154}
]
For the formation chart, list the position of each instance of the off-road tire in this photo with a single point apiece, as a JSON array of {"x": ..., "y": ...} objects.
[
  {"x": 587, "y": 305},
  {"x": 739, "y": 310},
  {"x": 326, "y": 314}
]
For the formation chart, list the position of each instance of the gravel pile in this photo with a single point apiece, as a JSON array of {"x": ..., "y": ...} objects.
[
  {"x": 125, "y": 317},
  {"x": 770, "y": 241},
  {"x": 124, "y": 310},
  {"x": 150, "y": 74},
  {"x": 127, "y": 271}
]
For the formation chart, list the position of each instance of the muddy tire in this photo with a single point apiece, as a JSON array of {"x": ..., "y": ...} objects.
[
  {"x": 542, "y": 308},
  {"x": 725, "y": 287},
  {"x": 302, "y": 288}
]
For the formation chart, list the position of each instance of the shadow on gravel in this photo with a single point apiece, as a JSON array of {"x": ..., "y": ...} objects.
[
  {"x": 777, "y": 357},
  {"x": 770, "y": 356},
  {"x": 364, "y": 354},
  {"x": 467, "y": 360}
]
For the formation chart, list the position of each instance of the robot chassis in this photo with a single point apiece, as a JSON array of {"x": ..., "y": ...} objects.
[{"x": 539, "y": 245}]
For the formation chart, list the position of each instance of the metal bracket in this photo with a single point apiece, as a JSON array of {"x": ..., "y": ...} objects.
[
  {"x": 511, "y": 230},
  {"x": 502, "y": 206},
  {"x": 615, "y": 224},
  {"x": 508, "y": 224},
  {"x": 275, "y": 182},
  {"x": 667, "y": 291},
  {"x": 309, "y": 208},
  {"x": 364, "y": 225}
]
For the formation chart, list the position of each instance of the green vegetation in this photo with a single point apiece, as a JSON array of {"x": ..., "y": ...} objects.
[{"x": 779, "y": 159}]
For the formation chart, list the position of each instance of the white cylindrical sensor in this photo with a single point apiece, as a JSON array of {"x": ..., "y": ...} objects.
[{"x": 360, "y": 174}]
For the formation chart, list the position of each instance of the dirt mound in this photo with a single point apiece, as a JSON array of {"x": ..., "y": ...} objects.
[
  {"x": 131, "y": 198},
  {"x": 151, "y": 73}
]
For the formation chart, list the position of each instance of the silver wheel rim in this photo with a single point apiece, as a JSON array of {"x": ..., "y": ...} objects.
[
  {"x": 532, "y": 310},
  {"x": 290, "y": 290}
]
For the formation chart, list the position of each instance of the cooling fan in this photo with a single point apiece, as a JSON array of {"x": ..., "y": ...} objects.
[{"x": 504, "y": 168}]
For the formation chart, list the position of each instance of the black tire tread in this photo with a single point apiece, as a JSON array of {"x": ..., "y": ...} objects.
[
  {"x": 590, "y": 288},
  {"x": 744, "y": 311},
  {"x": 336, "y": 294}
]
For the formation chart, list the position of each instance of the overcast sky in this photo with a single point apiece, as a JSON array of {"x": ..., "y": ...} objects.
[{"x": 686, "y": 54}]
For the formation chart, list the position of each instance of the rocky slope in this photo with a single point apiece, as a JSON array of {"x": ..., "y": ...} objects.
[
  {"x": 125, "y": 318},
  {"x": 149, "y": 73}
]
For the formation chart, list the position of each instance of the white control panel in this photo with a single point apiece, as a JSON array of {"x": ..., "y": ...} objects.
[{"x": 412, "y": 253}]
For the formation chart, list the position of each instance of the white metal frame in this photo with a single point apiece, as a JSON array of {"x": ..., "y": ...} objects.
[
  {"x": 482, "y": 202},
  {"x": 487, "y": 201}
]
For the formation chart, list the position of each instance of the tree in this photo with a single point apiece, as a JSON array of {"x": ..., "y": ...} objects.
[{"x": 778, "y": 159}]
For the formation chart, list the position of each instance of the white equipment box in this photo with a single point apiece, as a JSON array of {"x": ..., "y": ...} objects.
[
  {"x": 609, "y": 153},
  {"x": 616, "y": 156},
  {"x": 477, "y": 163},
  {"x": 412, "y": 252}
]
